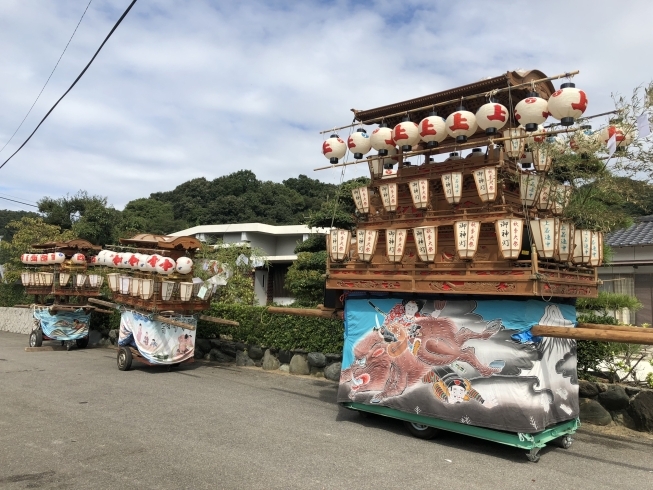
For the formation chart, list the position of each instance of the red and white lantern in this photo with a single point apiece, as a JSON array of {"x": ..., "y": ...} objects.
[
  {"x": 42, "y": 259},
  {"x": 152, "y": 262},
  {"x": 531, "y": 112},
  {"x": 623, "y": 136},
  {"x": 78, "y": 259},
  {"x": 359, "y": 143},
  {"x": 486, "y": 183},
  {"x": 567, "y": 104},
  {"x": 143, "y": 264},
  {"x": 426, "y": 242},
  {"x": 334, "y": 148},
  {"x": 395, "y": 243},
  {"x": 184, "y": 265},
  {"x": 466, "y": 236},
  {"x": 461, "y": 125},
  {"x": 432, "y": 130},
  {"x": 509, "y": 236},
  {"x": 406, "y": 134},
  {"x": 24, "y": 258},
  {"x": 491, "y": 117},
  {"x": 166, "y": 266},
  {"x": 382, "y": 141},
  {"x": 419, "y": 191}
]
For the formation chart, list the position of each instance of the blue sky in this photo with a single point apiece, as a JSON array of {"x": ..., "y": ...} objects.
[{"x": 195, "y": 88}]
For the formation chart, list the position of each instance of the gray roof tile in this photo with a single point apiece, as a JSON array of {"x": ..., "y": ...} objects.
[{"x": 640, "y": 233}]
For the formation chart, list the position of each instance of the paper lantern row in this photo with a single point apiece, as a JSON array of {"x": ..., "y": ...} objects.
[
  {"x": 452, "y": 184},
  {"x": 566, "y": 105},
  {"x": 560, "y": 240},
  {"x": 145, "y": 288},
  {"x": 51, "y": 258},
  {"x": 536, "y": 191},
  {"x": 49, "y": 278},
  {"x": 143, "y": 262}
]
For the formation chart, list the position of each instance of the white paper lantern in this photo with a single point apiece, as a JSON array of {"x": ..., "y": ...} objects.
[
  {"x": 59, "y": 258},
  {"x": 135, "y": 287},
  {"x": 366, "y": 244},
  {"x": 361, "y": 197},
  {"x": 167, "y": 288},
  {"x": 43, "y": 259},
  {"x": 541, "y": 159},
  {"x": 545, "y": 236},
  {"x": 24, "y": 258},
  {"x": 509, "y": 233},
  {"x": 466, "y": 235},
  {"x": 115, "y": 260},
  {"x": 25, "y": 278},
  {"x": 339, "y": 241},
  {"x": 64, "y": 277},
  {"x": 95, "y": 280},
  {"x": 486, "y": 183},
  {"x": 461, "y": 125},
  {"x": 165, "y": 266},
  {"x": 114, "y": 282},
  {"x": 389, "y": 170},
  {"x": 432, "y": 130},
  {"x": 491, "y": 117},
  {"x": 47, "y": 278},
  {"x": 559, "y": 196},
  {"x": 359, "y": 143},
  {"x": 623, "y": 136},
  {"x": 80, "y": 280},
  {"x": 147, "y": 288},
  {"x": 78, "y": 259},
  {"x": 51, "y": 258},
  {"x": 388, "y": 193},
  {"x": 426, "y": 242},
  {"x": 514, "y": 146},
  {"x": 596, "y": 249},
  {"x": 185, "y": 290},
  {"x": 452, "y": 184},
  {"x": 143, "y": 264},
  {"x": 129, "y": 260},
  {"x": 582, "y": 246},
  {"x": 334, "y": 148},
  {"x": 406, "y": 134},
  {"x": 567, "y": 104},
  {"x": 92, "y": 261},
  {"x": 543, "y": 202},
  {"x": 419, "y": 191},
  {"x": 531, "y": 112},
  {"x": 152, "y": 262},
  {"x": 395, "y": 244},
  {"x": 184, "y": 265},
  {"x": 529, "y": 188},
  {"x": 382, "y": 141},
  {"x": 125, "y": 283},
  {"x": 565, "y": 246},
  {"x": 33, "y": 259}
]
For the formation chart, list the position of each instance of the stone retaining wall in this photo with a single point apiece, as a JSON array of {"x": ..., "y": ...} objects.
[
  {"x": 605, "y": 404},
  {"x": 16, "y": 320}
]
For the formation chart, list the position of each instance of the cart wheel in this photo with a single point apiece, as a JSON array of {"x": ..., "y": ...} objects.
[
  {"x": 124, "y": 359},
  {"x": 421, "y": 431},
  {"x": 68, "y": 346},
  {"x": 36, "y": 338},
  {"x": 564, "y": 442},
  {"x": 533, "y": 455},
  {"x": 82, "y": 343}
]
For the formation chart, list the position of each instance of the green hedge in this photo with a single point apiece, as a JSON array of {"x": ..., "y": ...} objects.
[
  {"x": 281, "y": 331},
  {"x": 14, "y": 294}
]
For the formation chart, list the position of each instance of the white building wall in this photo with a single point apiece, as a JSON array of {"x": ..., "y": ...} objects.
[
  {"x": 261, "y": 278},
  {"x": 286, "y": 244}
]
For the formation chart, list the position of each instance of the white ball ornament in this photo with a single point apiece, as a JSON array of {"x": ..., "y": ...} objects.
[
  {"x": 184, "y": 265},
  {"x": 432, "y": 130},
  {"x": 567, "y": 104},
  {"x": 359, "y": 143},
  {"x": 142, "y": 263},
  {"x": 59, "y": 258},
  {"x": 382, "y": 141},
  {"x": 461, "y": 125},
  {"x": 491, "y": 117},
  {"x": 78, "y": 259},
  {"x": 166, "y": 266},
  {"x": 531, "y": 112},
  {"x": 334, "y": 148},
  {"x": 406, "y": 134}
]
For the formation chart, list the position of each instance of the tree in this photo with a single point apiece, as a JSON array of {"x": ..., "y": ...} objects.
[
  {"x": 7, "y": 216},
  {"x": 27, "y": 232},
  {"x": 147, "y": 215}
]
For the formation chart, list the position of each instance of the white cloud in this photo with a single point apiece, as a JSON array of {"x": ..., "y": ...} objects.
[{"x": 197, "y": 88}]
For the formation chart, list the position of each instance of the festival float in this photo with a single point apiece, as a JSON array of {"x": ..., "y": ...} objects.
[
  {"x": 458, "y": 284},
  {"x": 61, "y": 278},
  {"x": 151, "y": 282}
]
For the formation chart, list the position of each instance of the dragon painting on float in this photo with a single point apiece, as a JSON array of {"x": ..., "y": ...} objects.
[{"x": 457, "y": 359}]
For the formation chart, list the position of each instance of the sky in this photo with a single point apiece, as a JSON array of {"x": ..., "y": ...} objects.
[{"x": 200, "y": 88}]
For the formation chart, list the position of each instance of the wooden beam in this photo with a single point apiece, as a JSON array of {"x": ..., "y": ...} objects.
[
  {"x": 620, "y": 328},
  {"x": 101, "y": 302},
  {"x": 163, "y": 319},
  {"x": 22, "y": 306},
  {"x": 593, "y": 334},
  {"x": 219, "y": 320},
  {"x": 312, "y": 312}
]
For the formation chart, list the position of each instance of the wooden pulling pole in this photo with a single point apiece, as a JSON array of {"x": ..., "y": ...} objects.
[
  {"x": 453, "y": 101},
  {"x": 22, "y": 306},
  {"x": 593, "y": 334},
  {"x": 101, "y": 302},
  {"x": 221, "y": 321},
  {"x": 163, "y": 319},
  {"x": 312, "y": 312},
  {"x": 619, "y": 328}
]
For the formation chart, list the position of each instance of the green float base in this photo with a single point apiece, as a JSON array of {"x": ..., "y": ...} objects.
[{"x": 531, "y": 442}]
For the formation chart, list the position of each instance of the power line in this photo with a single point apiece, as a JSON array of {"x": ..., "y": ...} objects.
[
  {"x": 46, "y": 82},
  {"x": 74, "y": 83},
  {"x": 14, "y": 197},
  {"x": 19, "y": 202}
]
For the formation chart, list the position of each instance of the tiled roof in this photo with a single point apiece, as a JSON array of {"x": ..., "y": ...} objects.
[{"x": 640, "y": 233}]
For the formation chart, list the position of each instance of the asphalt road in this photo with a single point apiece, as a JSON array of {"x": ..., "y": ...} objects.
[{"x": 72, "y": 420}]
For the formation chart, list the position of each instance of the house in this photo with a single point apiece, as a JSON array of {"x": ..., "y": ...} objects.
[
  {"x": 277, "y": 243},
  {"x": 630, "y": 270}
]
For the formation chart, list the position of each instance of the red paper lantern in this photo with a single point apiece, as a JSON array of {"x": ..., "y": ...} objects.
[
  {"x": 491, "y": 117},
  {"x": 532, "y": 111},
  {"x": 406, "y": 134},
  {"x": 567, "y": 104},
  {"x": 461, "y": 125},
  {"x": 334, "y": 148},
  {"x": 381, "y": 139},
  {"x": 432, "y": 130}
]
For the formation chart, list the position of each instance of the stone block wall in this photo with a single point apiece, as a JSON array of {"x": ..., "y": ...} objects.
[
  {"x": 16, "y": 320},
  {"x": 605, "y": 404}
]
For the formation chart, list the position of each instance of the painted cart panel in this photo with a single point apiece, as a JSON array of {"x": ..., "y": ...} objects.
[
  {"x": 158, "y": 342},
  {"x": 63, "y": 325},
  {"x": 459, "y": 360}
]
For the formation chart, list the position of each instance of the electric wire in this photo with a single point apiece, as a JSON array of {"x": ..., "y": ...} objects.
[
  {"x": 46, "y": 82},
  {"x": 74, "y": 83},
  {"x": 19, "y": 202}
]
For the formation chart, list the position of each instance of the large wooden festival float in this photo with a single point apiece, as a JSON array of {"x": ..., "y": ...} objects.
[
  {"x": 458, "y": 284},
  {"x": 57, "y": 274},
  {"x": 151, "y": 282}
]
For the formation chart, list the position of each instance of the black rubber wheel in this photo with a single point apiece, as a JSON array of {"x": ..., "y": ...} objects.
[
  {"x": 124, "y": 359},
  {"x": 82, "y": 343},
  {"x": 421, "y": 431},
  {"x": 564, "y": 442},
  {"x": 36, "y": 338}
]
